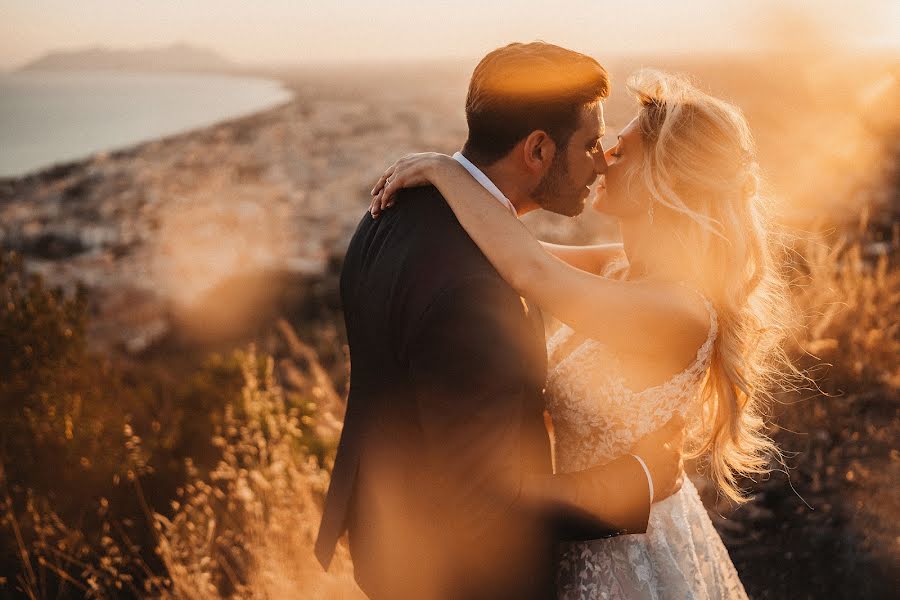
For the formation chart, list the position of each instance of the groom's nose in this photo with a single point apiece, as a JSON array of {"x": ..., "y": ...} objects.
[{"x": 600, "y": 165}]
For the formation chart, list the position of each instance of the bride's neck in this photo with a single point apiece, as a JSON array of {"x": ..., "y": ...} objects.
[{"x": 646, "y": 250}]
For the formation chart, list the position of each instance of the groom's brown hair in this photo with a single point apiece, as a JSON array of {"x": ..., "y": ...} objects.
[{"x": 522, "y": 88}]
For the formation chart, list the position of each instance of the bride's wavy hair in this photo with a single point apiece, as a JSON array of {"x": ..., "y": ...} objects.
[{"x": 701, "y": 171}]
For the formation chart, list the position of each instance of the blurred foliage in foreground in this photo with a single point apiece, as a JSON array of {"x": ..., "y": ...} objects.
[{"x": 191, "y": 492}]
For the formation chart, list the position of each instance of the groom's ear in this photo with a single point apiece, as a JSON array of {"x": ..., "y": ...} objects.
[{"x": 538, "y": 151}]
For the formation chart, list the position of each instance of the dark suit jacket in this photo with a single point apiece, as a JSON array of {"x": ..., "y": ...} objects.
[{"x": 444, "y": 417}]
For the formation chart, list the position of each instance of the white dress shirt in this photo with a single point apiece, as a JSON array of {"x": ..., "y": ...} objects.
[{"x": 485, "y": 181}]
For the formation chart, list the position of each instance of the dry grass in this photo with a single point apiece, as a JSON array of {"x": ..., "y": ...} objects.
[
  {"x": 850, "y": 292},
  {"x": 248, "y": 531}
]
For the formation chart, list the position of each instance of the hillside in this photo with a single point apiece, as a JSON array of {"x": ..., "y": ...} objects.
[{"x": 177, "y": 57}]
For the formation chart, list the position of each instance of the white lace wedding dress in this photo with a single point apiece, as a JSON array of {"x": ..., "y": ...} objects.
[{"x": 596, "y": 418}]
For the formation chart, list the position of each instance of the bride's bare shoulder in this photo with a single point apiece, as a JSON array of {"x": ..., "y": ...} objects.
[{"x": 693, "y": 315}]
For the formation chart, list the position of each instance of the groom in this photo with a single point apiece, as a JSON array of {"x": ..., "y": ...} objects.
[{"x": 443, "y": 473}]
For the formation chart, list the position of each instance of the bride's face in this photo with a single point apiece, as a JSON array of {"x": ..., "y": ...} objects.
[{"x": 620, "y": 191}]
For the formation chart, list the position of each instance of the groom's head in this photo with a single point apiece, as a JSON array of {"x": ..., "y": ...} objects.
[{"x": 535, "y": 109}]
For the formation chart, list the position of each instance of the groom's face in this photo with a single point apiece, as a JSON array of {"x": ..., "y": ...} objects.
[{"x": 566, "y": 186}]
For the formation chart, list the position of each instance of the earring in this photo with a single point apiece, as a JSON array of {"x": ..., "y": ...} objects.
[{"x": 650, "y": 211}]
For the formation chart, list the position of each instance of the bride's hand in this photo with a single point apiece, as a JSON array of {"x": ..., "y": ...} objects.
[{"x": 410, "y": 171}]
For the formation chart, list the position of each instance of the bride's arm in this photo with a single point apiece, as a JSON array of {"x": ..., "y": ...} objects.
[
  {"x": 645, "y": 316},
  {"x": 593, "y": 258}
]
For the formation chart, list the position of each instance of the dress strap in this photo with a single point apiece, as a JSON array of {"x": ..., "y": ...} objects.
[{"x": 705, "y": 351}]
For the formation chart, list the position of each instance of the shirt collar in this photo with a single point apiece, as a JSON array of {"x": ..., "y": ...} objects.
[{"x": 485, "y": 182}]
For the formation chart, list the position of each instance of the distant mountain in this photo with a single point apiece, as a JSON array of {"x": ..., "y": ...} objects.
[{"x": 177, "y": 57}]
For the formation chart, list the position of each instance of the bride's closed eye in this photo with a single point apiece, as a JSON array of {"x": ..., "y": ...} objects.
[{"x": 616, "y": 151}]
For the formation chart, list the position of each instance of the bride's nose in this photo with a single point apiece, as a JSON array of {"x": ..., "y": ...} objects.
[{"x": 608, "y": 156}]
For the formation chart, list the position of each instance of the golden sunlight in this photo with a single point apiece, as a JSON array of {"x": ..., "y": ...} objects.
[{"x": 189, "y": 271}]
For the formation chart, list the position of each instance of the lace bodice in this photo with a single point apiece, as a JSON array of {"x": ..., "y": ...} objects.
[{"x": 596, "y": 416}]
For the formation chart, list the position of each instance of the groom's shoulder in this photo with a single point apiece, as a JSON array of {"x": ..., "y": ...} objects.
[
  {"x": 424, "y": 205},
  {"x": 418, "y": 216},
  {"x": 449, "y": 244},
  {"x": 424, "y": 221},
  {"x": 421, "y": 239}
]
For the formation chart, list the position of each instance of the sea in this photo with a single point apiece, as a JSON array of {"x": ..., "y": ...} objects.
[{"x": 48, "y": 118}]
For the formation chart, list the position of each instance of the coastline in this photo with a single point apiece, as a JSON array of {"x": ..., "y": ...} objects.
[{"x": 59, "y": 117}]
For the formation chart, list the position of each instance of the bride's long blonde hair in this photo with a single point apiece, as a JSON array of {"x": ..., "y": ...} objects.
[{"x": 701, "y": 171}]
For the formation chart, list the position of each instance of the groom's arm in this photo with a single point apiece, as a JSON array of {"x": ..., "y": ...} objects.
[
  {"x": 617, "y": 494},
  {"x": 469, "y": 374},
  {"x": 603, "y": 501}
]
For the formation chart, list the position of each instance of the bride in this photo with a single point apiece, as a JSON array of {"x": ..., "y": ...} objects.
[{"x": 680, "y": 318}]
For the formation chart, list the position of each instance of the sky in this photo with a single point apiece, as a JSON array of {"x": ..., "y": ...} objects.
[{"x": 311, "y": 31}]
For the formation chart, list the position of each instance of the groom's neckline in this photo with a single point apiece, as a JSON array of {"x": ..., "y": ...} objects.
[{"x": 485, "y": 181}]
